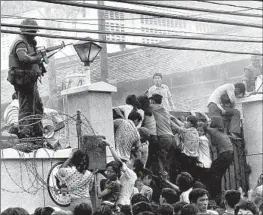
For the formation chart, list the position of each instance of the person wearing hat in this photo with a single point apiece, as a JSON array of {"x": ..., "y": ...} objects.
[
  {"x": 166, "y": 140},
  {"x": 252, "y": 71},
  {"x": 163, "y": 90},
  {"x": 25, "y": 68}
]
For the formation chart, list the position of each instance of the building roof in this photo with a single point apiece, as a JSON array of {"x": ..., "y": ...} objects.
[{"x": 142, "y": 63}]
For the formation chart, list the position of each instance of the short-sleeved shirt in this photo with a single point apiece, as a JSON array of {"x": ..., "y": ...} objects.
[
  {"x": 228, "y": 89},
  {"x": 127, "y": 181},
  {"x": 164, "y": 91},
  {"x": 250, "y": 75},
  {"x": 163, "y": 121},
  {"x": 114, "y": 187},
  {"x": 79, "y": 184}
]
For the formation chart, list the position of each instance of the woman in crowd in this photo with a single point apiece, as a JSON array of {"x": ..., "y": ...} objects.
[
  {"x": 79, "y": 180},
  {"x": 109, "y": 188}
]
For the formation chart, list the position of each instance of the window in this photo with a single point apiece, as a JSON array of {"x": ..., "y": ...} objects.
[
  {"x": 117, "y": 28},
  {"x": 114, "y": 15}
]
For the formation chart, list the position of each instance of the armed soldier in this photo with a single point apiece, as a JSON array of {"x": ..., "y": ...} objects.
[{"x": 25, "y": 68}]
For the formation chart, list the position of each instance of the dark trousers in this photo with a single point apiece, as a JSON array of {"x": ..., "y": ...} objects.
[
  {"x": 231, "y": 119},
  {"x": 152, "y": 161},
  {"x": 166, "y": 146},
  {"x": 218, "y": 169},
  {"x": 30, "y": 111}
]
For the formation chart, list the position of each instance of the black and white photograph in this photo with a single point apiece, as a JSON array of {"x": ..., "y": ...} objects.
[{"x": 131, "y": 107}]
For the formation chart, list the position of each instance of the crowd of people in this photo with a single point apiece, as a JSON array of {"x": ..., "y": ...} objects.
[{"x": 162, "y": 164}]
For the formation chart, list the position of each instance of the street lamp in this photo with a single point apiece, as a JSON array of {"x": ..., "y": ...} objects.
[{"x": 87, "y": 52}]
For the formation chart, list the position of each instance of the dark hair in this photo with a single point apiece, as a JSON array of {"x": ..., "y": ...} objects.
[
  {"x": 241, "y": 87},
  {"x": 217, "y": 122},
  {"x": 138, "y": 197},
  {"x": 178, "y": 206},
  {"x": 118, "y": 113},
  {"x": 47, "y": 210},
  {"x": 166, "y": 209},
  {"x": 141, "y": 207},
  {"x": 147, "y": 172},
  {"x": 184, "y": 181},
  {"x": 189, "y": 209},
  {"x": 197, "y": 193},
  {"x": 134, "y": 115},
  {"x": 198, "y": 184},
  {"x": 169, "y": 195},
  {"x": 155, "y": 207},
  {"x": 138, "y": 167},
  {"x": 80, "y": 160},
  {"x": 15, "y": 211},
  {"x": 246, "y": 205},
  {"x": 38, "y": 211},
  {"x": 132, "y": 100},
  {"x": 116, "y": 166},
  {"x": 82, "y": 209},
  {"x": 144, "y": 103},
  {"x": 193, "y": 120},
  {"x": 14, "y": 96},
  {"x": 158, "y": 74},
  {"x": 126, "y": 209},
  {"x": 232, "y": 197}
]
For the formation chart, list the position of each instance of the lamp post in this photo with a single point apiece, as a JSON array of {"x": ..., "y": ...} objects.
[{"x": 87, "y": 52}]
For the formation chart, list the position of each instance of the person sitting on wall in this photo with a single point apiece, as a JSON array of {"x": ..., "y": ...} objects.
[
  {"x": 163, "y": 90},
  {"x": 229, "y": 113},
  {"x": 252, "y": 71}
]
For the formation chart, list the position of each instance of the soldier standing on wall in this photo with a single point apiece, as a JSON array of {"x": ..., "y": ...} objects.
[{"x": 25, "y": 68}]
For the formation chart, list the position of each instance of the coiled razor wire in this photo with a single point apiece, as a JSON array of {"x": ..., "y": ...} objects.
[{"x": 36, "y": 181}]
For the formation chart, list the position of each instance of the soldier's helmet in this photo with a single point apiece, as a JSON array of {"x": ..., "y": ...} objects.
[{"x": 30, "y": 22}]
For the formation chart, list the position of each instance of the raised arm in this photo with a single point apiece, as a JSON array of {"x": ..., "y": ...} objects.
[{"x": 113, "y": 152}]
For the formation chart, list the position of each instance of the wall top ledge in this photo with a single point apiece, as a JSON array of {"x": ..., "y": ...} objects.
[
  {"x": 96, "y": 87},
  {"x": 39, "y": 154},
  {"x": 254, "y": 98}
]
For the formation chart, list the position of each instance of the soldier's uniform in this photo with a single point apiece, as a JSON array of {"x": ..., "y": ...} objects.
[{"x": 24, "y": 75}]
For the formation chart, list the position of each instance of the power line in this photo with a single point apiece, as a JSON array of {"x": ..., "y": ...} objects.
[
  {"x": 134, "y": 28},
  {"x": 130, "y": 43},
  {"x": 128, "y": 33},
  {"x": 150, "y": 13},
  {"x": 227, "y": 4},
  {"x": 190, "y": 8}
]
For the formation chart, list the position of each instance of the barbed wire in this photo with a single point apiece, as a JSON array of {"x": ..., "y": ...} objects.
[{"x": 36, "y": 181}]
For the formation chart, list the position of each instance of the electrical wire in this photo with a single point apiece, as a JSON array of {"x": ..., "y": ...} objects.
[
  {"x": 227, "y": 4},
  {"x": 132, "y": 28},
  {"x": 130, "y": 43},
  {"x": 150, "y": 13},
  {"x": 189, "y": 8},
  {"x": 129, "y": 34}
]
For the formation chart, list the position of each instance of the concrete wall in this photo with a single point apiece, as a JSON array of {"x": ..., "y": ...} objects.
[
  {"x": 252, "y": 111},
  {"x": 24, "y": 177}
]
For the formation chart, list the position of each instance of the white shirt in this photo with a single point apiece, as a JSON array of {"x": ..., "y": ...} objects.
[
  {"x": 185, "y": 196},
  {"x": 127, "y": 181},
  {"x": 204, "y": 152},
  {"x": 79, "y": 184},
  {"x": 228, "y": 89},
  {"x": 11, "y": 113},
  {"x": 167, "y": 101}
]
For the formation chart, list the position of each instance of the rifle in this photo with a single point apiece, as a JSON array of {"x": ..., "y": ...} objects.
[{"x": 43, "y": 51}]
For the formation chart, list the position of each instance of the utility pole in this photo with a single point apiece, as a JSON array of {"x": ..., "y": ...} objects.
[
  {"x": 103, "y": 52},
  {"x": 52, "y": 84}
]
